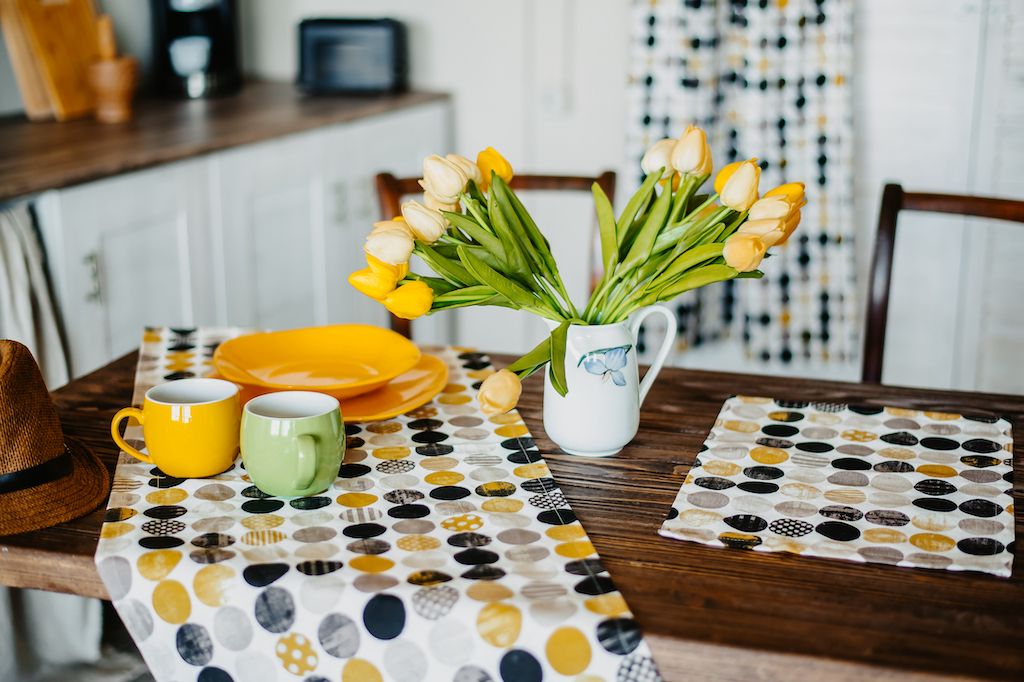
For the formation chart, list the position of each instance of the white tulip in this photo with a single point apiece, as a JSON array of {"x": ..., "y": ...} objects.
[
  {"x": 442, "y": 178},
  {"x": 430, "y": 201},
  {"x": 427, "y": 224},
  {"x": 391, "y": 225},
  {"x": 739, "y": 191},
  {"x": 691, "y": 154},
  {"x": 393, "y": 247},
  {"x": 658, "y": 156},
  {"x": 471, "y": 170}
]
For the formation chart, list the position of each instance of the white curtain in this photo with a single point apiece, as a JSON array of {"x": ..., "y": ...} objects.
[{"x": 38, "y": 630}]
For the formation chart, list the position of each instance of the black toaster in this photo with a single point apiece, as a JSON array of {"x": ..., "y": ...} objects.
[{"x": 355, "y": 56}]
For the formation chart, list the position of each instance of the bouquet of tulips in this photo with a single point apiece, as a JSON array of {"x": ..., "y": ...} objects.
[{"x": 484, "y": 248}]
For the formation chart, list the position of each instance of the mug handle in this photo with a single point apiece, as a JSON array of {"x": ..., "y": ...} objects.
[
  {"x": 115, "y": 431},
  {"x": 307, "y": 461},
  {"x": 666, "y": 345}
]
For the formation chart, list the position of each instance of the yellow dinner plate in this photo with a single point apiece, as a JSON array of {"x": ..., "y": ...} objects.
[
  {"x": 344, "y": 360},
  {"x": 405, "y": 392}
]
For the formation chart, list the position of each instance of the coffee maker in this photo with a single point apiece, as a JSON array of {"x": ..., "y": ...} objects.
[{"x": 195, "y": 47}]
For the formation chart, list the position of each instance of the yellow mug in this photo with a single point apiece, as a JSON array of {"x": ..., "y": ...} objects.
[{"x": 190, "y": 426}]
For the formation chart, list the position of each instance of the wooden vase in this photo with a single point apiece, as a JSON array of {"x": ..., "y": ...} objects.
[{"x": 114, "y": 81}]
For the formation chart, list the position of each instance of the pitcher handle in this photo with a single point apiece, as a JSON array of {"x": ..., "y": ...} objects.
[{"x": 666, "y": 345}]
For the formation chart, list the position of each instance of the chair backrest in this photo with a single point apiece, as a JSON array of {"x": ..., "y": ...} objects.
[
  {"x": 894, "y": 200},
  {"x": 391, "y": 191}
]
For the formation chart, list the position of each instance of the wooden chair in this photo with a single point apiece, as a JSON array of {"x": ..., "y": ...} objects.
[
  {"x": 894, "y": 200},
  {"x": 391, "y": 191}
]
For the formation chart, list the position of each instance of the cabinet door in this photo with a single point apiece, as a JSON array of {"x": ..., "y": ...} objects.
[
  {"x": 268, "y": 226},
  {"x": 351, "y": 156},
  {"x": 125, "y": 253}
]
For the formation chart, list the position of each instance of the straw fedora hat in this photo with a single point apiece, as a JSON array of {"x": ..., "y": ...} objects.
[{"x": 45, "y": 478}]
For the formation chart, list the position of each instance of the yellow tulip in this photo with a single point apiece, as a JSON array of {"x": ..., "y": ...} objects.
[
  {"x": 744, "y": 251},
  {"x": 427, "y": 225},
  {"x": 442, "y": 178},
  {"x": 409, "y": 301},
  {"x": 471, "y": 170},
  {"x": 659, "y": 155},
  {"x": 739, "y": 190},
  {"x": 724, "y": 175},
  {"x": 499, "y": 392},
  {"x": 791, "y": 224},
  {"x": 691, "y": 154},
  {"x": 792, "y": 191},
  {"x": 374, "y": 283},
  {"x": 770, "y": 208},
  {"x": 377, "y": 265},
  {"x": 490, "y": 160},
  {"x": 390, "y": 246},
  {"x": 770, "y": 230}
]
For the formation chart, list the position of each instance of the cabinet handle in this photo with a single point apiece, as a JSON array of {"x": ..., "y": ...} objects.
[{"x": 95, "y": 292}]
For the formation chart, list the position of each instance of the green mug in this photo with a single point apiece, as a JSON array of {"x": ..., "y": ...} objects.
[{"x": 292, "y": 442}]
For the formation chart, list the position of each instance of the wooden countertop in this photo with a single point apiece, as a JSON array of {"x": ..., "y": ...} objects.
[
  {"x": 728, "y": 614},
  {"x": 40, "y": 156}
]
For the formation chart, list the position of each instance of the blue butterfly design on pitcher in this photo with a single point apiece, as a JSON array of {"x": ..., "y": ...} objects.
[{"x": 607, "y": 363}]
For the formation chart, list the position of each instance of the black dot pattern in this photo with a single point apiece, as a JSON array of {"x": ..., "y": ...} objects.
[
  {"x": 437, "y": 509},
  {"x": 891, "y": 485}
]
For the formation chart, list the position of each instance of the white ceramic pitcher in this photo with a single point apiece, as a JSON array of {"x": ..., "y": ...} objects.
[{"x": 601, "y": 412}]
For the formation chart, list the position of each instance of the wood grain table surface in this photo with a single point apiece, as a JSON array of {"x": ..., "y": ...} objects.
[
  {"x": 709, "y": 613},
  {"x": 36, "y": 156}
]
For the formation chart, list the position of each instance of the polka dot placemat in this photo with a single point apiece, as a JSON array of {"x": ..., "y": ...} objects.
[
  {"x": 444, "y": 550},
  {"x": 871, "y": 484}
]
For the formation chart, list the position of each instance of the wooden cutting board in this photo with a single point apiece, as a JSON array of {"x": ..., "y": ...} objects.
[
  {"x": 62, "y": 38},
  {"x": 34, "y": 95}
]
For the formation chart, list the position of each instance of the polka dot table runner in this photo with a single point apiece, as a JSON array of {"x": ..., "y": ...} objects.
[
  {"x": 444, "y": 550},
  {"x": 871, "y": 484}
]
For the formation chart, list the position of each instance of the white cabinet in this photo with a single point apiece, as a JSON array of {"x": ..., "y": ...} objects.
[
  {"x": 350, "y": 157},
  {"x": 262, "y": 235},
  {"x": 266, "y": 224},
  {"x": 128, "y": 252}
]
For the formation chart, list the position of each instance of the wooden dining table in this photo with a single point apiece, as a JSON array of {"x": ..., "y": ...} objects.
[{"x": 709, "y": 613}]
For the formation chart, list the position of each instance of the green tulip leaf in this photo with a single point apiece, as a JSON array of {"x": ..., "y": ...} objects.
[
  {"x": 644, "y": 242},
  {"x": 540, "y": 354},
  {"x": 494, "y": 279},
  {"x": 534, "y": 234},
  {"x": 696, "y": 278},
  {"x": 451, "y": 270},
  {"x": 633, "y": 206},
  {"x": 498, "y": 209},
  {"x": 557, "y": 366},
  {"x": 606, "y": 225},
  {"x": 478, "y": 233},
  {"x": 468, "y": 296},
  {"x": 685, "y": 261}
]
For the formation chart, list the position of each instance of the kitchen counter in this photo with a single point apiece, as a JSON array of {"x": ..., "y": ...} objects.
[{"x": 40, "y": 156}]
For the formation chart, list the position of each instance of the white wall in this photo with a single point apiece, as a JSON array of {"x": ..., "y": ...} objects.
[
  {"x": 938, "y": 96},
  {"x": 939, "y": 100},
  {"x": 541, "y": 80}
]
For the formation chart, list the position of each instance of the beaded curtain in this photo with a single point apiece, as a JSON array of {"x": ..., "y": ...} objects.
[{"x": 767, "y": 78}]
